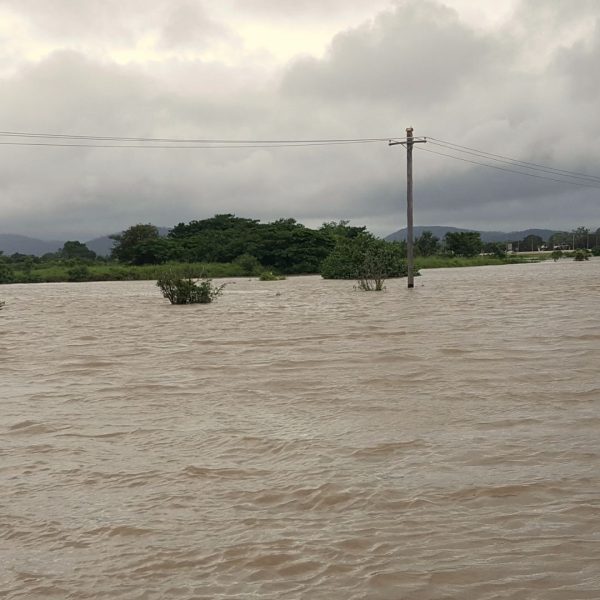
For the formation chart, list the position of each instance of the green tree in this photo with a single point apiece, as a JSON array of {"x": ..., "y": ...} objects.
[
  {"x": 531, "y": 243},
  {"x": 341, "y": 229},
  {"x": 560, "y": 240},
  {"x": 497, "y": 249},
  {"x": 7, "y": 275},
  {"x": 153, "y": 251},
  {"x": 581, "y": 237},
  {"x": 221, "y": 238},
  {"x": 463, "y": 243},
  {"x": 249, "y": 264},
  {"x": 221, "y": 222},
  {"x": 427, "y": 244},
  {"x": 290, "y": 247},
  {"x": 125, "y": 247},
  {"x": 18, "y": 257},
  {"x": 79, "y": 273},
  {"x": 76, "y": 250},
  {"x": 353, "y": 257}
]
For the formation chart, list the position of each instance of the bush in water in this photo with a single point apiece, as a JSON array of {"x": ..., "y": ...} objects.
[
  {"x": 270, "y": 276},
  {"x": 580, "y": 255},
  {"x": 184, "y": 290}
]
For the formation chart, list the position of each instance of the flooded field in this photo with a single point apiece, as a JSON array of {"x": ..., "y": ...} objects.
[{"x": 299, "y": 439}]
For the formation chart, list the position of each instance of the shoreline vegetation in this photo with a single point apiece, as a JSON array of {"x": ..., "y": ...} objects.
[
  {"x": 69, "y": 273},
  {"x": 226, "y": 246}
]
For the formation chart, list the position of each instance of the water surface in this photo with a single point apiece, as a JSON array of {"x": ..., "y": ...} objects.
[{"x": 299, "y": 439}]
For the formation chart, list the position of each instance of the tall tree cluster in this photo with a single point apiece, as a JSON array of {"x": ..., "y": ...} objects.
[{"x": 284, "y": 245}]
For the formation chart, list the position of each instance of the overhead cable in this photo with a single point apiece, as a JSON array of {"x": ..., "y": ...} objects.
[
  {"x": 189, "y": 146},
  {"x": 474, "y": 162},
  {"x": 512, "y": 161},
  {"x": 64, "y": 136}
]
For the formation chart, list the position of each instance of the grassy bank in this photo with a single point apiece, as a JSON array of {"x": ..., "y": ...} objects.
[
  {"x": 54, "y": 273},
  {"x": 441, "y": 262}
]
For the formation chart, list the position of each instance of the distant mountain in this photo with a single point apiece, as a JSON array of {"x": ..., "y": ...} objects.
[
  {"x": 486, "y": 236},
  {"x": 9, "y": 244},
  {"x": 101, "y": 245}
]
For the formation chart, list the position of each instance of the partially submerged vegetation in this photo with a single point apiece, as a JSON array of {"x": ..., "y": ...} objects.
[
  {"x": 270, "y": 276},
  {"x": 179, "y": 289},
  {"x": 581, "y": 255},
  {"x": 368, "y": 260},
  {"x": 229, "y": 246}
]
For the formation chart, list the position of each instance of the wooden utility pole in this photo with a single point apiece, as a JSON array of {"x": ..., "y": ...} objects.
[
  {"x": 409, "y": 207},
  {"x": 410, "y": 140}
]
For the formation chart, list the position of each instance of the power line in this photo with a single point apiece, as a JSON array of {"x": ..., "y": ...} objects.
[
  {"x": 64, "y": 140},
  {"x": 474, "y": 162},
  {"x": 193, "y": 146},
  {"x": 550, "y": 170},
  {"x": 64, "y": 136},
  {"x": 508, "y": 160}
]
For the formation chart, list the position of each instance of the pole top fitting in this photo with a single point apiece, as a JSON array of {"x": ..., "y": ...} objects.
[{"x": 409, "y": 131}]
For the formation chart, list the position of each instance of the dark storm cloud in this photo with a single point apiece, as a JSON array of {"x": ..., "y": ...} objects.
[{"x": 530, "y": 97}]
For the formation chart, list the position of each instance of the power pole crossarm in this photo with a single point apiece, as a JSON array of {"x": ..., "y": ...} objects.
[{"x": 410, "y": 140}]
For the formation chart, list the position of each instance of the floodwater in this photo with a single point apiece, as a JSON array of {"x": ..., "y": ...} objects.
[{"x": 300, "y": 439}]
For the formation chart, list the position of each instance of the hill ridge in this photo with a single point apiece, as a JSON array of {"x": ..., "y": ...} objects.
[{"x": 486, "y": 236}]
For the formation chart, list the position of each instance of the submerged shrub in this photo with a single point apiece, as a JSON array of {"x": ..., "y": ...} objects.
[
  {"x": 556, "y": 254},
  {"x": 580, "y": 255},
  {"x": 364, "y": 255},
  {"x": 185, "y": 290},
  {"x": 372, "y": 273},
  {"x": 270, "y": 276}
]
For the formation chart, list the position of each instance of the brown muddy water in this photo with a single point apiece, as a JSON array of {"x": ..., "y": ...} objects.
[{"x": 299, "y": 439}]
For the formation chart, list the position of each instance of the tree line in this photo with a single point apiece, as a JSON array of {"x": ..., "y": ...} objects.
[{"x": 335, "y": 249}]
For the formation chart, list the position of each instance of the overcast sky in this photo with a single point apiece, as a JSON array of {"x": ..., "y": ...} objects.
[{"x": 521, "y": 80}]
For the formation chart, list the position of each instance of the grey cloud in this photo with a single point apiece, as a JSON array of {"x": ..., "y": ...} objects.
[
  {"x": 294, "y": 9},
  {"x": 578, "y": 67},
  {"x": 416, "y": 65},
  {"x": 541, "y": 18},
  {"x": 418, "y": 53},
  {"x": 179, "y": 23},
  {"x": 51, "y": 187},
  {"x": 187, "y": 25},
  {"x": 117, "y": 20}
]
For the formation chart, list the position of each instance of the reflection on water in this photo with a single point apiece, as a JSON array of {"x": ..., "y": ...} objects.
[{"x": 298, "y": 439}]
